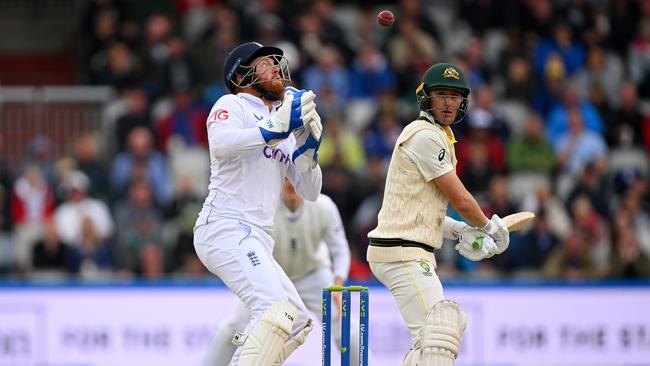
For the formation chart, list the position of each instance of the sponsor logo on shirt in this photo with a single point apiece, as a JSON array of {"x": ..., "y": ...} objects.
[
  {"x": 276, "y": 154},
  {"x": 221, "y": 115}
]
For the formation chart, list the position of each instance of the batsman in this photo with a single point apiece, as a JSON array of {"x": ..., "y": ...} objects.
[{"x": 412, "y": 221}]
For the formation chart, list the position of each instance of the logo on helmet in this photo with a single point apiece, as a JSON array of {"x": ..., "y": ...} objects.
[{"x": 450, "y": 72}]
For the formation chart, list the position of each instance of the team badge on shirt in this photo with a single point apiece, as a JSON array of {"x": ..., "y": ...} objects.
[{"x": 252, "y": 256}]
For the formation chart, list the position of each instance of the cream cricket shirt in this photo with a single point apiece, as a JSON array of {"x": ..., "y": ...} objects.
[
  {"x": 414, "y": 208},
  {"x": 310, "y": 238}
]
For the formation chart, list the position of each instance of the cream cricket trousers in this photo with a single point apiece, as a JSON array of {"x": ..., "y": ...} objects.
[{"x": 416, "y": 287}]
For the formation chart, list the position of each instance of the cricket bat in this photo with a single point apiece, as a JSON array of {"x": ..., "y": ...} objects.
[{"x": 513, "y": 222}]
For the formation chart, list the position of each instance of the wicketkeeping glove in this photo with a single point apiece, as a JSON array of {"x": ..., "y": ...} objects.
[
  {"x": 308, "y": 139},
  {"x": 296, "y": 105}
]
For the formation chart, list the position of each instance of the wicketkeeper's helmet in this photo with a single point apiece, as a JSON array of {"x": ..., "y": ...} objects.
[{"x": 238, "y": 63}]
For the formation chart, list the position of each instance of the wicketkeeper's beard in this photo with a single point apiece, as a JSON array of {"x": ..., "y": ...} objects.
[{"x": 271, "y": 89}]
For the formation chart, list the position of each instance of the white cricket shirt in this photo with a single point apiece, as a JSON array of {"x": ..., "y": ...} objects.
[{"x": 246, "y": 175}]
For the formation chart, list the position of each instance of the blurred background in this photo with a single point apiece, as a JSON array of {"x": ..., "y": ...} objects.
[{"x": 104, "y": 162}]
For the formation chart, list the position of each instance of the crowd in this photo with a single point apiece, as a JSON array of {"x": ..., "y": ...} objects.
[{"x": 558, "y": 124}]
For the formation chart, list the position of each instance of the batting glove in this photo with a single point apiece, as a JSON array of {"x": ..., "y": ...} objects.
[
  {"x": 475, "y": 245},
  {"x": 296, "y": 105},
  {"x": 497, "y": 229},
  {"x": 308, "y": 139}
]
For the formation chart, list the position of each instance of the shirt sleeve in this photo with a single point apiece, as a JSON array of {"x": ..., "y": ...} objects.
[
  {"x": 427, "y": 150},
  {"x": 227, "y": 135},
  {"x": 307, "y": 184},
  {"x": 335, "y": 239}
]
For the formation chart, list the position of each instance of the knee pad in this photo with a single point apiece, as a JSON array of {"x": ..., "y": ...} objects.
[
  {"x": 442, "y": 333},
  {"x": 265, "y": 342}
]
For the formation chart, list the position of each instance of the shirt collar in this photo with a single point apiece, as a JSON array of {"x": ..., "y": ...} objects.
[
  {"x": 257, "y": 100},
  {"x": 429, "y": 118}
]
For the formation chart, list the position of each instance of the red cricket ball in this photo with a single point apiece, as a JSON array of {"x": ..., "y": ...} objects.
[{"x": 385, "y": 18}]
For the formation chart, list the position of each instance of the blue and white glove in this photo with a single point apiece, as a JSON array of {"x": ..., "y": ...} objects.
[
  {"x": 475, "y": 245},
  {"x": 497, "y": 229},
  {"x": 308, "y": 139},
  {"x": 296, "y": 105}
]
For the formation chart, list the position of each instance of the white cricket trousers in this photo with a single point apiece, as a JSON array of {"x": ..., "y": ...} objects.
[
  {"x": 241, "y": 255},
  {"x": 310, "y": 288}
]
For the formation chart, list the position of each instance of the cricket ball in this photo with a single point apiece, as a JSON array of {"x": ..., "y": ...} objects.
[{"x": 385, "y": 18}]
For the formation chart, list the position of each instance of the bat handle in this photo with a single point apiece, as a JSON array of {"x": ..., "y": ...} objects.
[{"x": 477, "y": 243}]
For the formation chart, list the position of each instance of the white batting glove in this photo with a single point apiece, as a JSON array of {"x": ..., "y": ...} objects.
[
  {"x": 475, "y": 245},
  {"x": 296, "y": 106},
  {"x": 308, "y": 139},
  {"x": 496, "y": 228}
]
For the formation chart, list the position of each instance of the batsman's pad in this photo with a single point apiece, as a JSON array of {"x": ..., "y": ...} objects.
[
  {"x": 293, "y": 343},
  {"x": 264, "y": 344},
  {"x": 442, "y": 333}
]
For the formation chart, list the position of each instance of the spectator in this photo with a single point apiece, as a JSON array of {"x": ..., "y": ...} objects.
[
  {"x": 50, "y": 253},
  {"x": 519, "y": 83},
  {"x": 531, "y": 152},
  {"x": 628, "y": 127},
  {"x": 89, "y": 162},
  {"x": 116, "y": 66},
  {"x": 556, "y": 215},
  {"x": 178, "y": 71},
  {"x": 141, "y": 161},
  {"x": 602, "y": 69},
  {"x": 186, "y": 206},
  {"x": 571, "y": 52},
  {"x": 578, "y": 147},
  {"x": 187, "y": 120},
  {"x": 558, "y": 119},
  {"x": 535, "y": 247},
  {"x": 93, "y": 257},
  {"x": 328, "y": 72},
  {"x": 370, "y": 74},
  {"x": 639, "y": 57},
  {"x": 422, "y": 49},
  {"x": 483, "y": 109},
  {"x": 32, "y": 204},
  {"x": 137, "y": 115},
  {"x": 139, "y": 225},
  {"x": 548, "y": 96},
  {"x": 340, "y": 147},
  {"x": 70, "y": 215},
  {"x": 481, "y": 144},
  {"x": 590, "y": 184},
  {"x": 381, "y": 136},
  {"x": 628, "y": 259},
  {"x": 572, "y": 260},
  {"x": 40, "y": 152}
]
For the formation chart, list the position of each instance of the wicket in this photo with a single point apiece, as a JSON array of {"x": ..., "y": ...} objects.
[{"x": 345, "y": 327}]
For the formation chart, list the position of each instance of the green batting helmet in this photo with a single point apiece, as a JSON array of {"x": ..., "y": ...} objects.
[{"x": 439, "y": 76}]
